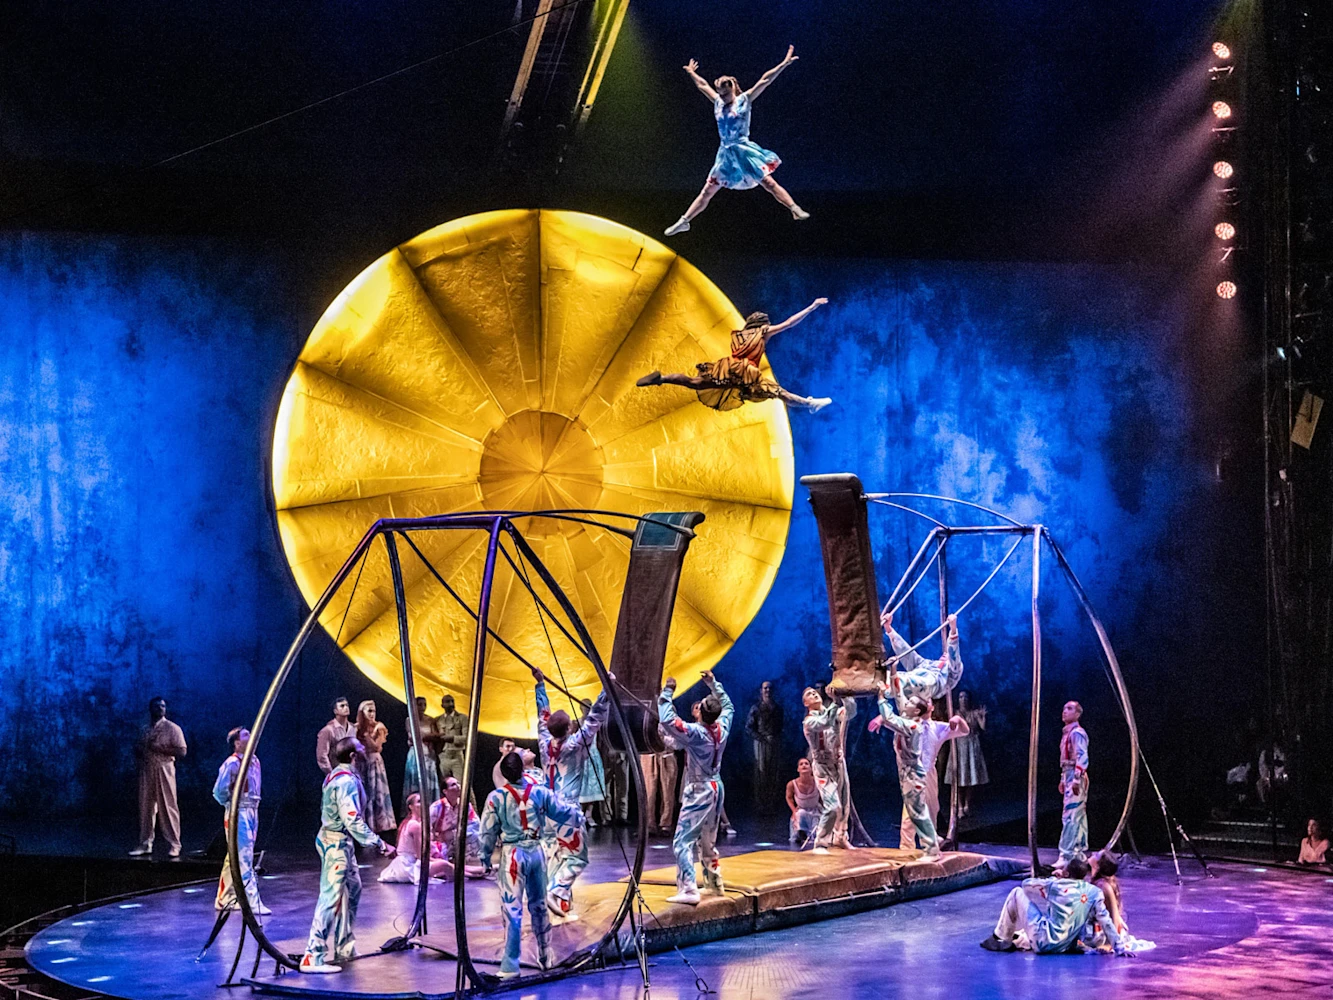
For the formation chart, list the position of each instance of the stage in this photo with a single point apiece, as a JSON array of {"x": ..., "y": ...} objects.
[{"x": 1250, "y": 928}]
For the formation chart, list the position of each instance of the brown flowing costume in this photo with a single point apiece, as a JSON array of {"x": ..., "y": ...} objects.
[{"x": 744, "y": 382}]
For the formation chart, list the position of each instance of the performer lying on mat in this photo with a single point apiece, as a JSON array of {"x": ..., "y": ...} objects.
[
  {"x": 823, "y": 726},
  {"x": 564, "y": 757},
  {"x": 729, "y": 382},
  {"x": 911, "y": 675},
  {"x": 932, "y": 736},
  {"x": 515, "y": 816},
  {"x": 332, "y": 935},
  {"x": 740, "y": 163},
  {"x": 703, "y": 793},
  {"x": 1050, "y": 915},
  {"x": 1074, "y": 787}
]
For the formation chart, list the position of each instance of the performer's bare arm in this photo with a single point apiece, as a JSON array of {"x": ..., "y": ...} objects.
[
  {"x": 791, "y": 321},
  {"x": 692, "y": 68},
  {"x": 772, "y": 74},
  {"x": 791, "y": 797}
]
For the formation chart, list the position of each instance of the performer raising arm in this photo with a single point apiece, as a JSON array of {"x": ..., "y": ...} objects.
[
  {"x": 916, "y": 743},
  {"x": 729, "y": 382},
  {"x": 911, "y": 675},
  {"x": 563, "y": 759},
  {"x": 703, "y": 793},
  {"x": 740, "y": 163}
]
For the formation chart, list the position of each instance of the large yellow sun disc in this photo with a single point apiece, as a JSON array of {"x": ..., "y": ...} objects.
[{"x": 490, "y": 364}]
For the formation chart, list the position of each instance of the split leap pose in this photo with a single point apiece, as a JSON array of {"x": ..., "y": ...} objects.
[
  {"x": 823, "y": 727},
  {"x": 702, "y": 793},
  {"x": 913, "y": 676},
  {"x": 515, "y": 816},
  {"x": 564, "y": 757},
  {"x": 729, "y": 382},
  {"x": 740, "y": 163}
]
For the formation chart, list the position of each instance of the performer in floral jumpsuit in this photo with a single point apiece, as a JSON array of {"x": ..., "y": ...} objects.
[
  {"x": 515, "y": 816},
  {"x": 1050, "y": 915},
  {"x": 332, "y": 938},
  {"x": 702, "y": 794},
  {"x": 916, "y": 743},
  {"x": 823, "y": 726},
  {"x": 247, "y": 822},
  {"x": 564, "y": 757},
  {"x": 1073, "y": 786},
  {"x": 914, "y": 676}
]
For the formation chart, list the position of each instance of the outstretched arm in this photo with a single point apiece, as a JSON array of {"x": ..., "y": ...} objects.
[
  {"x": 692, "y": 68},
  {"x": 791, "y": 321},
  {"x": 772, "y": 74}
]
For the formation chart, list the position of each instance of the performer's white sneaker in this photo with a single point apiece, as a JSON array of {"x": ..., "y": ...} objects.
[
  {"x": 507, "y": 975},
  {"x": 688, "y": 898},
  {"x": 308, "y": 966},
  {"x": 820, "y": 850},
  {"x": 681, "y": 225},
  {"x": 818, "y": 404},
  {"x": 262, "y": 910},
  {"x": 798, "y": 213},
  {"x": 141, "y": 850}
]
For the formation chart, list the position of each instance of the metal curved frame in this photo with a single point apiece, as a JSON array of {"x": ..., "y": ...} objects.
[
  {"x": 939, "y": 535},
  {"x": 493, "y": 522}
]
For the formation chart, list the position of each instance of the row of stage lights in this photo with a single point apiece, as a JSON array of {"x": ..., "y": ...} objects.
[{"x": 1223, "y": 169}]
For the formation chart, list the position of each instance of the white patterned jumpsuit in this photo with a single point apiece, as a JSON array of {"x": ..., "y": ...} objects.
[
  {"x": 342, "y": 827},
  {"x": 908, "y": 744},
  {"x": 516, "y": 816},
  {"x": 247, "y": 828},
  {"x": 702, "y": 794},
  {"x": 1074, "y": 778},
  {"x": 563, "y": 762},
  {"x": 1047, "y": 915},
  {"x": 917, "y": 677},
  {"x": 824, "y": 733}
]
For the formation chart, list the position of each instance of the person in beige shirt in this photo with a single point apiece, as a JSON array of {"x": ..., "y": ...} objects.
[
  {"x": 159, "y": 746},
  {"x": 338, "y": 728}
]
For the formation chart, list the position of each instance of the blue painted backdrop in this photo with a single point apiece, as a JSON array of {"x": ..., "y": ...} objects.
[{"x": 138, "y": 381}]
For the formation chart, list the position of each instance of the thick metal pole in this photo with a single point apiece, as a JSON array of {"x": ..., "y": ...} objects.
[
  {"x": 911, "y": 567},
  {"x": 1035, "y": 724},
  {"x": 257, "y": 730},
  {"x": 466, "y": 971},
  {"x": 414, "y": 723},
  {"x": 1117, "y": 681},
  {"x": 948, "y": 704}
]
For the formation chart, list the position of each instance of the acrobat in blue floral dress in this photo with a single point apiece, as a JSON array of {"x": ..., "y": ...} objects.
[{"x": 740, "y": 163}]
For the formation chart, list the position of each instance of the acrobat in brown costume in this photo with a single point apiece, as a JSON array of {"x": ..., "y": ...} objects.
[{"x": 736, "y": 379}]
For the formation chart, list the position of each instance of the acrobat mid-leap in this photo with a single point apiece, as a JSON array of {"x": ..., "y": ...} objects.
[
  {"x": 728, "y": 382},
  {"x": 740, "y": 163}
]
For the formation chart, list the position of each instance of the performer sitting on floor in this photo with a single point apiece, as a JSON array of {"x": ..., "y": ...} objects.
[
  {"x": 515, "y": 816},
  {"x": 740, "y": 164},
  {"x": 804, "y": 802},
  {"x": 912, "y": 742},
  {"x": 911, "y": 675},
  {"x": 702, "y": 794},
  {"x": 932, "y": 736},
  {"x": 564, "y": 756},
  {"x": 823, "y": 726},
  {"x": 247, "y": 822},
  {"x": 729, "y": 382},
  {"x": 1103, "y": 876},
  {"x": 1074, "y": 787},
  {"x": 332, "y": 934},
  {"x": 1050, "y": 915},
  {"x": 444, "y": 832},
  {"x": 406, "y": 864}
]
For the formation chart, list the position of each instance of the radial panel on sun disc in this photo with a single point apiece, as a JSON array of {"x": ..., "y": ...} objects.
[{"x": 490, "y": 364}]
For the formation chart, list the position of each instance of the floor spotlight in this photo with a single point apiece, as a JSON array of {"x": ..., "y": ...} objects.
[
  {"x": 1223, "y": 169},
  {"x": 1226, "y": 290},
  {"x": 1221, "y": 109},
  {"x": 1221, "y": 50},
  {"x": 1224, "y": 231}
]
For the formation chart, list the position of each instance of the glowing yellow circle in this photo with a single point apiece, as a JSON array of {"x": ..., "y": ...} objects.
[{"x": 490, "y": 363}]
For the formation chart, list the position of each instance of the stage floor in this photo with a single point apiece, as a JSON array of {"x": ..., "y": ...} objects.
[{"x": 1249, "y": 930}]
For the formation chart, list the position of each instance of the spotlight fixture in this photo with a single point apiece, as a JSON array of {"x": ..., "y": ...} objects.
[
  {"x": 1224, "y": 231},
  {"x": 1226, "y": 290},
  {"x": 1221, "y": 50},
  {"x": 1223, "y": 169},
  {"x": 1221, "y": 109}
]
